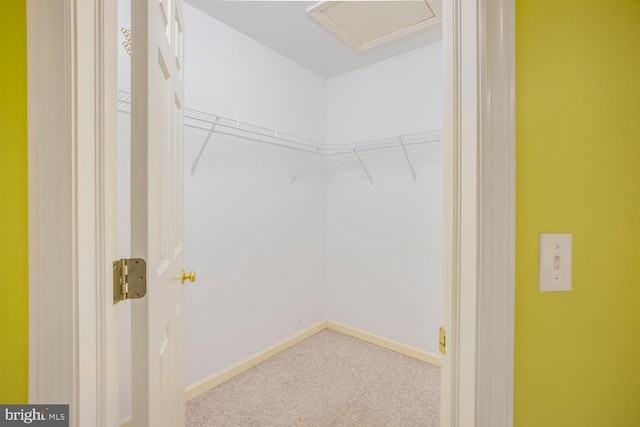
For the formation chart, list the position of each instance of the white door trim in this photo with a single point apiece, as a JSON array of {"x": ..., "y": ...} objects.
[
  {"x": 496, "y": 299},
  {"x": 479, "y": 218},
  {"x": 70, "y": 207},
  {"x": 51, "y": 140},
  {"x": 72, "y": 201}
]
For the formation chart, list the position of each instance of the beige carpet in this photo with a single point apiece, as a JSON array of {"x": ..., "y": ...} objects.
[{"x": 329, "y": 379}]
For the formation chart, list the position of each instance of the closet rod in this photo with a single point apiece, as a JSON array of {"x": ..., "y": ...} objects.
[
  {"x": 276, "y": 135},
  {"x": 262, "y": 141},
  {"x": 213, "y": 123}
]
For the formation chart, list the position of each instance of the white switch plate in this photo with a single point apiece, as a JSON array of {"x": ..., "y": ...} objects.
[{"x": 555, "y": 262}]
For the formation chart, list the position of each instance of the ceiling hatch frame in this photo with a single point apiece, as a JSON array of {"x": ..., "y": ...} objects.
[{"x": 322, "y": 13}]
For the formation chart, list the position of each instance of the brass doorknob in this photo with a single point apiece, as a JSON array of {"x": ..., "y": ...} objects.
[{"x": 188, "y": 276}]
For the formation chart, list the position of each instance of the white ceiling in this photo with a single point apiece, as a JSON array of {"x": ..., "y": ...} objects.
[{"x": 285, "y": 27}]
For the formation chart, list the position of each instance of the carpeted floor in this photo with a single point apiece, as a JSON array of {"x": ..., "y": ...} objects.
[{"x": 329, "y": 379}]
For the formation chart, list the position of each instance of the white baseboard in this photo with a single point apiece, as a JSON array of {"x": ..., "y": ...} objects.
[
  {"x": 407, "y": 350},
  {"x": 125, "y": 422},
  {"x": 218, "y": 378}
]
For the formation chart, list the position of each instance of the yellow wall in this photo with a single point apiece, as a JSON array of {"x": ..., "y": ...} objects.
[
  {"x": 577, "y": 355},
  {"x": 13, "y": 204}
]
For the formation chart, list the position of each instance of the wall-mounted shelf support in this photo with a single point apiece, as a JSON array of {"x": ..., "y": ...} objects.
[
  {"x": 206, "y": 141},
  {"x": 304, "y": 165},
  {"x": 212, "y": 123},
  {"x": 363, "y": 166},
  {"x": 406, "y": 155}
]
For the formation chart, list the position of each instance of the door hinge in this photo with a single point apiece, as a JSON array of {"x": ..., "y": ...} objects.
[
  {"x": 129, "y": 279},
  {"x": 443, "y": 341}
]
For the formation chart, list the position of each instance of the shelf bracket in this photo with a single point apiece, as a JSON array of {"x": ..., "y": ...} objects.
[
  {"x": 363, "y": 166},
  {"x": 406, "y": 155},
  {"x": 304, "y": 165},
  {"x": 206, "y": 141}
]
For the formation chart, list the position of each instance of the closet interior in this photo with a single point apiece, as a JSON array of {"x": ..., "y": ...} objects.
[{"x": 309, "y": 198}]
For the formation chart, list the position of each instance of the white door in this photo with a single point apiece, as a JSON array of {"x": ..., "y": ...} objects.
[{"x": 157, "y": 211}]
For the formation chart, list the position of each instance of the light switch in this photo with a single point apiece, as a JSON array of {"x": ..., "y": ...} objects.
[{"x": 555, "y": 262}]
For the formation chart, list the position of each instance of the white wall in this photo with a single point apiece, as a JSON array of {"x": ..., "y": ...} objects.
[
  {"x": 237, "y": 77},
  {"x": 384, "y": 240},
  {"x": 256, "y": 241}
]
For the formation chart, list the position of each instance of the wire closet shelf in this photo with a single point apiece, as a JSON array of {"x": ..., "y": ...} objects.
[{"x": 215, "y": 124}]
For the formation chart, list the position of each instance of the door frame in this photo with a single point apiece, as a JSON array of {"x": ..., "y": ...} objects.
[
  {"x": 479, "y": 213},
  {"x": 72, "y": 126},
  {"x": 72, "y": 209}
]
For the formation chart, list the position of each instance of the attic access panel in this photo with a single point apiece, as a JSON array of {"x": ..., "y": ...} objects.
[{"x": 367, "y": 24}]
